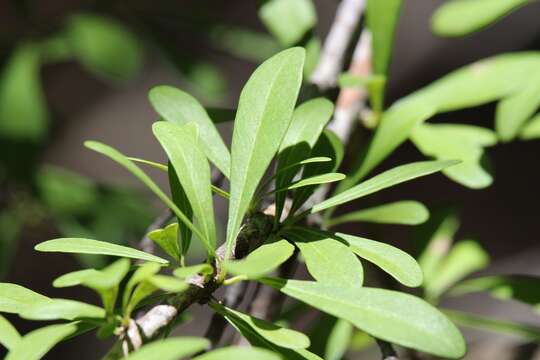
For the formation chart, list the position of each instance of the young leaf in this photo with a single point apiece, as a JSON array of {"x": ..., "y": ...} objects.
[
  {"x": 104, "y": 46},
  {"x": 53, "y": 309},
  {"x": 380, "y": 313},
  {"x": 186, "y": 272},
  {"x": 170, "y": 349},
  {"x": 88, "y": 246},
  {"x": 308, "y": 122},
  {"x": 264, "y": 114},
  {"x": 382, "y": 18},
  {"x": 465, "y": 257},
  {"x": 288, "y": 20},
  {"x": 405, "y": 212},
  {"x": 327, "y": 258},
  {"x": 145, "y": 271},
  {"x": 15, "y": 298},
  {"x": 179, "y": 107},
  {"x": 392, "y": 260},
  {"x": 339, "y": 340},
  {"x": 181, "y": 145},
  {"x": 37, "y": 343},
  {"x": 315, "y": 180},
  {"x": 262, "y": 260},
  {"x": 462, "y": 17},
  {"x": 277, "y": 335},
  {"x": 167, "y": 239},
  {"x": 237, "y": 352},
  {"x": 532, "y": 129},
  {"x": 168, "y": 283},
  {"x": 141, "y": 292},
  {"x": 9, "y": 336},
  {"x": 384, "y": 180},
  {"x": 105, "y": 279}
]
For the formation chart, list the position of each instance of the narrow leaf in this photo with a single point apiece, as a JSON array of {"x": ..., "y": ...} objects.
[
  {"x": 142, "y": 273},
  {"x": 405, "y": 212},
  {"x": 170, "y": 349},
  {"x": 382, "y": 19},
  {"x": 288, "y": 20},
  {"x": 87, "y": 246},
  {"x": 53, "y": 309},
  {"x": 264, "y": 113},
  {"x": 392, "y": 260},
  {"x": 186, "y": 272},
  {"x": 15, "y": 298},
  {"x": 339, "y": 340},
  {"x": 532, "y": 129},
  {"x": 237, "y": 352},
  {"x": 262, "y": 260},
  {"x": 168, "y": 283},
  {"x": 316, "y": 180},
  {"x": 380, "y": 313},
  {"x": 9, "y": 336},
  {"x": 384, "y": 180},
  {"x": 179, "y": 107}
]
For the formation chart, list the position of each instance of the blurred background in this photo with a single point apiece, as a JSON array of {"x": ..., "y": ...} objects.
[{"x": 76, "y": 70}]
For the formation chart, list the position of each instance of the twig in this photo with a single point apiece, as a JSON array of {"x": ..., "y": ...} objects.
[{"x": 387, "y": 350}]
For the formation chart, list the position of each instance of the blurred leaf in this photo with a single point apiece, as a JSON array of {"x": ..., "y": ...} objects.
[
  {"x": 54, "y": 309},
  {"x": 9, "y": 336},
  {"x": 392, "y": 260},
  {"x": 382, "y": 19},
  {"x": 524, "y": 331},
  {"x": 237, "y": 352},
  {"x": 328, "y": 259},
  {"x": 15, "y": 298},
  {"x": 23, "y": 111},
  {"x": 452, "y": 141},
  {"x": 379, "y": 312},
  {"x": 141, "y": 292},
  {"x": 141, "y": 274},
  {"x": 515, "y": 110},
  {"x": 179, "y": 107},
  {"x": 339, "y": 340},
  {"x": 207, "y": 80},
  {"x": 88, "y": 246},
  {"x": 532, "y": 129},
  {"x": 167, "y": 239},
  {"x": 240, "y": 42},
  {"x": 181, "y": 145},
  {"x": 406, "y": 212},
  {"x": 37, "y": 343},
  {"x": 264, "y": 113},
  {"x": 462, "y": 17},
  {"x": 168, "y": 283},
  {"x": 55, "y": 48},
  {"x": 307, "y": 124},
  {"x": 188, "y": 271},
  {"x": 313, "y": 52},
  {"x": 384, "y": 180},
  {"x": 262, "y": 260},
  {"x": 104, "y": 46},
  {"x": 170, "y": 349},
  {"x": 280, "y": 336},
  {"x": 360, "y": 341},
  {"x": 118, "y": 157},
  {"x": 288, "y": 20},
  {"x": 66, "y": 192},
  {"x": 11, "y": 225},
  {"x": 466, "y": 257}
]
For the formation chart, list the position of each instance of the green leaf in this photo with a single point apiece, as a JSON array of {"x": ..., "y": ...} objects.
[
  {"x": 186, "y": 272},
  {"x": 181, "y": 145},
  {"x": 327, "y": 258},
  {"x": 168, "y": 283},
  {"x": 532, "y": 129},
  {"x": 277, "y": 335},
  {"x": 23, "y": 111},
  {"x": 37, "y": 343},
  {"x": 465, "y": 257},
  {"x": 407, "y": 212},
  {"x": 307, "y": 124},
  {"x": 135, "y": 170},
  {"x": 450, "y": 141},
  {"x": 15, "y": 298},
  {"x": 288, "y": 20},
  {"x": 237, "y": 352},
  {"x": 339, "y": 340},
  {"x": 179, "y": 107},
  {"x": 384, "y": 180},
  {"x": 264, "y": 113},
  {"x": 9, "y": 336},
  {"x": 182, "y": 240},
  {"x": 170, "y": 349},
  {"x": 513, "y": 111},
  {"x": 88, "y": 246},
  {"x": 380, "y": 313},
  {"x": 240, "y": 42},
  {"x": 53, "y": 309},
  {"x": 315, "y": 180},
  {"x": 382, "y": 18},
  {"x": 104, "y": 46},
  {"x": 262, "y": 260},
  {"x": 142, "y": 273},
  {"x": 392, "y": 260},
  {"x": 167, "y": 239},
  {"x": 313, "y": 53},
  {"x": 141, "y": 292},
  {"x": 462, "y": 17}
]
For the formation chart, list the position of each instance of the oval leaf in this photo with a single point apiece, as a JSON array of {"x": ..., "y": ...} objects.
[
  {"x": 15, "y": 298},
  {"x": 405, "y": 212}
]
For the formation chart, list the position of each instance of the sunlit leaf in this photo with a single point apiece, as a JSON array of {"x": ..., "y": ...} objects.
[
  {"x": 405, "y": 212},
  {"x": 179, "y": 107},
  {"x": 327, "y": 258},
  {"x": 339, "y": 339},
  {"x": 237, "y": 352},
  {"x": 380, "y": 313},
  {"x": 88, "y": 246},
  {"x": 53, "y": 309},
  {"x": 392, "y": 260},
  {"x": 186, "y": 272},
  {"x": 168, "y": 283},
  {"x": 313, "y": 53},
  {"x": 240, "y": 42},
  {"x": 142, "y": 273},
  {"x": 9, "y": 336},
  {"x": 288, "y": 20},
  {"x": 170, "y": 349},
  {"x": 15, "y": 298},
  {"x": 264, "y": 113},
  {"x": 315, "y": 180}
]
